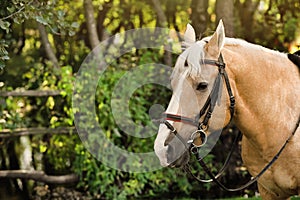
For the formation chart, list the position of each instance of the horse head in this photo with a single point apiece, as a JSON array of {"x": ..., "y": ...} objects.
[{"x": 193, "y": 82}]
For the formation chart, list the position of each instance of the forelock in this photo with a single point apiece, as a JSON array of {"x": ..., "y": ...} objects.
[
  {"x": 195, "y": 55},
  {"x": 192, "y": 55}
]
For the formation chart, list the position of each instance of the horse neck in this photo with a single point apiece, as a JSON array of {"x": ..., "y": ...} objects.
[{"x": 267, "y": 87}]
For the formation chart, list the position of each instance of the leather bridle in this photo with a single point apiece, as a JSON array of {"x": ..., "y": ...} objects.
[
  {"x": 203, "y": 125},
  {"x": 208, "y": 107}
]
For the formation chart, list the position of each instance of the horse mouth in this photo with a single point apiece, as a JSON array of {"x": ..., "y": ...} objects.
[{"x": 181, "y": 161}]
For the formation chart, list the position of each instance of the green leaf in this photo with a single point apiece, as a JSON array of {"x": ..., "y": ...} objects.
[
  {"x": 42, "y": 20},
  {"x": 4, "y": 25},
  {"x": 2, "y": 64},
  {"x": 11, "y": 9},
  {"x": 5, "y": 57},
  {"x": 61, "y": 14},
  {"x": 75, "y": 25},
  {"x": 72, "y": 33}
]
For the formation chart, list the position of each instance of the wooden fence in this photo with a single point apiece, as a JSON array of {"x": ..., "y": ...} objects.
[{"x": 35, "y": 175}]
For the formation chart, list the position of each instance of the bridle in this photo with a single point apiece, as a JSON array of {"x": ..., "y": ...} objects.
[
  {"x": 202, "y": 126},
  {"x": 208, "y": 107}
]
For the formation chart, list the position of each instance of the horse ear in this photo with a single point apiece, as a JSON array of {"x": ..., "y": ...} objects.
[
  {"x": 217, "y": 41},
  {"x": 189, "y": 36}
]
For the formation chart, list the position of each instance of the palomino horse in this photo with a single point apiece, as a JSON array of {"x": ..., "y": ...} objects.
[{"x": 266, "y": 87}]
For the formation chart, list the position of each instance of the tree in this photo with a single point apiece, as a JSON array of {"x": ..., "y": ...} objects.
[
  {"x": 246, "y": 11},
  {"x": 106, "y": 6},
  {"x": 225, "y": 11},
  {"x": 161, "y": 17},
  {"x": 91, "y": 24},
  {"x": 46, "y": 14},
  {"x": 199, "y": 16},
  {"x": 47, "y": 46}
]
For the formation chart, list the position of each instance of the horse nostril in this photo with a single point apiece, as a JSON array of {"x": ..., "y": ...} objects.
[
  {"x": 169, "y": 139},
  {"x": 170, "y": 150},
  {"x": 170, "y": 154}
]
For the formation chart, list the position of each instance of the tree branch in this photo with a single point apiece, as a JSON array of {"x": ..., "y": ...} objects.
[
  {"x": 91, "y": 24},
  {"x": 162, "y": 19},
  {"x": 17, "y": 12},
  {"x": 39, "y": 176},
  {"x": 162, "y": 22},
  {"x": 199, "y": 16},
  {"x": 101, "y": 17},
  {"x": 225, "y": 11},
  {"x": 47, "y": 46}
]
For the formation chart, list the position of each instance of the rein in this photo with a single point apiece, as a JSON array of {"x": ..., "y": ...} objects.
[
  {"x": 253, "y": 179},
  {"x": 203, "y": 125}
]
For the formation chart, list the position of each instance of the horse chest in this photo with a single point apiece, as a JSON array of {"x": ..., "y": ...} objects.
[
  {"x": 282, "y": 178},
  {"x": 285, "y": 171},
  {"x": 285, "y": 178}
]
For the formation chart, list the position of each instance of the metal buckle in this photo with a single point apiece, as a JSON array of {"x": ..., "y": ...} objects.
[
  {"x": 198, "y": 134},
  {"x": 203, "y": 127}
]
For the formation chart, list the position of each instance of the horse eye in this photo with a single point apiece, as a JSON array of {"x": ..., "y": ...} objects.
[{"x": 202, "y": 86}]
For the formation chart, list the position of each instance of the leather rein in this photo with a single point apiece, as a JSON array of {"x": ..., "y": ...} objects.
[{"x": 203, "y": 125}]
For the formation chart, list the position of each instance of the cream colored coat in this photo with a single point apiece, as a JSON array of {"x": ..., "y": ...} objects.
[{"x": 266, "y": 85}]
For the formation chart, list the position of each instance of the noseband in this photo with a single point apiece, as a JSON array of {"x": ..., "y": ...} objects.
[{"x": 207, "y": 108}]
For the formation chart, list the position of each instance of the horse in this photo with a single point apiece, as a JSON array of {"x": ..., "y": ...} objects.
[{"x": 259, "y": 92}]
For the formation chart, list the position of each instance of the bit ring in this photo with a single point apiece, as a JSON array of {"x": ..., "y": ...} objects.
[{"x": 201, "y": 134}]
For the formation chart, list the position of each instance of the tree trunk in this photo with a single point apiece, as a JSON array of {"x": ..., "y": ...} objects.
[
  {"x": 199, "y": 16},
  {"x": 246, "y": 16},
  {"x": 14, "y": 165},
  {"x": 91, "y": 23},
  {"x": 162, "y": 22},
  {"x": 161, "y": 17},
  {"x": 21, "y": 41},
  {"x": 47, "y": 46},
  {"x": 100, "y": 19},
  {"x": 225, "y": 11}
]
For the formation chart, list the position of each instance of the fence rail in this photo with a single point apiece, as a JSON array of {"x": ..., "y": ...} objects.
[
  {"x": 30, "y": 93},
  {"x": 36, "y": 175},
  {"x": 39, "y": 176},
  {"x": 7, "y": 133}
]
